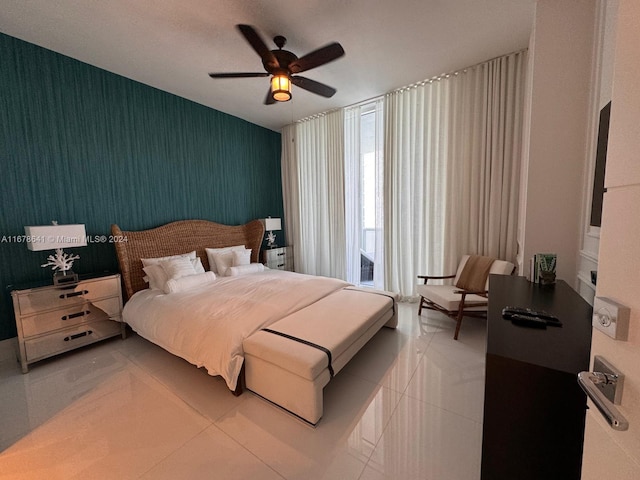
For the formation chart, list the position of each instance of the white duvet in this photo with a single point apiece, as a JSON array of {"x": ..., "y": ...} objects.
[{"x": 207, "y": 324}]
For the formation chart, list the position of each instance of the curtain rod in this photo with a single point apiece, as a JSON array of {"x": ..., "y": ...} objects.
[{"x": 435, "y": 78}]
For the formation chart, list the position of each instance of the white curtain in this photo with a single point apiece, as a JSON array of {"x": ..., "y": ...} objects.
[
  {"x": 452, "y": 158},
  {"x": 363, "y": 184},
  {"x": 313, "y": 192}
]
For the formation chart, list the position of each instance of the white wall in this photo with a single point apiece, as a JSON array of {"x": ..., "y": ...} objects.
[
  {"x": 556, "y": 147},
  {"x": 611, "y": 454},
  {"x": 604, "y": 52}
]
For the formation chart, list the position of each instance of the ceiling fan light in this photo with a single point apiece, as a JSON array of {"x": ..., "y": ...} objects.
[{"x": 281, "y": 88}]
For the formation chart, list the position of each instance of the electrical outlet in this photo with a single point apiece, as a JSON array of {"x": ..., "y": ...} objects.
[{"x": 611, "y": 317}]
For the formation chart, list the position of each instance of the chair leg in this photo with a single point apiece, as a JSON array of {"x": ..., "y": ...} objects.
[
  {"x": 420, "y": 305},
  {"x": 459, "y": 320}
]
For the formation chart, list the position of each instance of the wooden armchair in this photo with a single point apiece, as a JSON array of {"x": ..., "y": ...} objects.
[{"x": 468, "y": 295}]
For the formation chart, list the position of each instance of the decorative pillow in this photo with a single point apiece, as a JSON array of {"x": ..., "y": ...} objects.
[
  {"x": 187, "y": 283},
  {"x": 212, "y": 251},
  {"x": 241, "y": 257},
  {"x": 156, "y": 276},
  {"x": 222, "y": 261},
  {"x": 152, "y": 261},
  {"x": 245, "y": 269},
  {"x": 178, "y": 267},
  {"x": 197, "y": 265}
]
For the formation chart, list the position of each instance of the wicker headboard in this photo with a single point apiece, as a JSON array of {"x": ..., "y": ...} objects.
[{"x": 176, "y": 238}]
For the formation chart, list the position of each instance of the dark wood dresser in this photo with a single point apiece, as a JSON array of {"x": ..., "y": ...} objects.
[{"x": 534, "y": 410}]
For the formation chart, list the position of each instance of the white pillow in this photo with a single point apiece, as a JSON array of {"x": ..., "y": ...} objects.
[
  {"x": 212, "y": 251},
  {"x": 245, "y": 269},
  {"x": 156, "y": 276},
  {"x": 222, "y": 261},
  {"x": 187, "y": 283},
  {"x": 178, "y": 267},
  {"x": 152, "y": 261},
  {"x": 241, "y": 257},
  {"x": 197, "y": 265}
]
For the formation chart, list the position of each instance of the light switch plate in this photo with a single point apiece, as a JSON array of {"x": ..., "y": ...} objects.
[{"x": 611, "y": 318}]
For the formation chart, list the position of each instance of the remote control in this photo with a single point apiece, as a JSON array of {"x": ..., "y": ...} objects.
[
  {"x": 528, "y": 321},
  {"x": 508, "y": 312}
]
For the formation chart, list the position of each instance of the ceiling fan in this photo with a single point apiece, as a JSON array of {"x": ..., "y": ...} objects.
[{"x": 283, "y": 66}]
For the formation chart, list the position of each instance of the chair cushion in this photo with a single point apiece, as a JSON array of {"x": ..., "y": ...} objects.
[{"x": 443, "y": 296}]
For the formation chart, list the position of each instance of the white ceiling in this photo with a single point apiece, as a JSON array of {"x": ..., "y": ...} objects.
[{"x": 173, "y": 44}]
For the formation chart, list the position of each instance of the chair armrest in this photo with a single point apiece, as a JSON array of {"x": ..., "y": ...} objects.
[
  {"x": 463, "y": 303},
  {"x": 435, "y": 277},
  {"x": 464, "y": 293}
]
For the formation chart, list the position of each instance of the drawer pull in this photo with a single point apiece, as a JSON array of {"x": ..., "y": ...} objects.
[
  {"x": 78, "y": 335},
  {"x": 280, "y": 254},
  {"x": 76, "y": 315},
  {"x": 280, "y": 265},
  {"x": 74, "y": 294}
]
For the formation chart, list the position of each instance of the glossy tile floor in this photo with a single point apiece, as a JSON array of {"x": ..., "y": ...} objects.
[{"x": 408, "y": 406}]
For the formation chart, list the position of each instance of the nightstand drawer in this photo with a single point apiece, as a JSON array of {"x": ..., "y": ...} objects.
[
  {"x": 37, "y": 300},
  {"x": 52, "y": 319},
  {"x": 279, "y": 258},
  {"x": 69, "y": 339},
  {"x": 70, "y": 316}
]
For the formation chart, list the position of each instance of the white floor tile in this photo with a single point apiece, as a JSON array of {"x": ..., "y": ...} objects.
[
  {"x": 451, "y": 377},
  {"x": 208, "y": 395},
  {"x": 356, "y": 413},
  {"x": 118, "y": 429},
  {"x": 427, "y": 443},
  {"x": 405, "y": 407},
  {"x": 211, "y": 455},
  {"x": 389, "y": 359}
]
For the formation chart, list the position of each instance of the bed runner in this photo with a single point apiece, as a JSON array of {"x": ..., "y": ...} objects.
[{"x": 305, "y": 342}]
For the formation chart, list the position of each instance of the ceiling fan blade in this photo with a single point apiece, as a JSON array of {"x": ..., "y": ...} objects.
[
  {"x": 250, "y": 34},
  {"x": 239, "y": 75},
  {"x": 318, "y": 57},
  {"x": 313, "y": 86},
  {"x": 269, "y": 98}
]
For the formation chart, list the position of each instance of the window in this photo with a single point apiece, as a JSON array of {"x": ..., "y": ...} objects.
[{"x": 363, "y": 194}]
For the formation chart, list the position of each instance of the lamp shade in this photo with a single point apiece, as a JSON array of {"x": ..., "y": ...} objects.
[
  {"x": 281, "y": 88},
  {"x": 51, "y": 237},
  {"x": 272, "y": 224}
]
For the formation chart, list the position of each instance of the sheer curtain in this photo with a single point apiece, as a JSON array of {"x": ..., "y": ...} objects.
[
  {"x": 452, "y": 159},
  {"x": 313, "y": 192}
]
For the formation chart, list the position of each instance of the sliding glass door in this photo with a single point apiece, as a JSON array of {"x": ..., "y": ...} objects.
[{"x": 363, "y": 194}]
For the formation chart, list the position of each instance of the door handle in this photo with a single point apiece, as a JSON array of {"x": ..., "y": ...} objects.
[{"x": 604, "y": 388}]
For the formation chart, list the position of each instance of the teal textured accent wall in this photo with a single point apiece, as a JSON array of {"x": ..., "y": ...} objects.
[{"x": 81, "y": 145}]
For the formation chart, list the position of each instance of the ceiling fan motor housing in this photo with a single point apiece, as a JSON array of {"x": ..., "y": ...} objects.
[{"x": 284, "y": 58}]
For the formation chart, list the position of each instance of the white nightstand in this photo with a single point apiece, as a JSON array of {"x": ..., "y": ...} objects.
[
  {"x": 54, "y": 319},
  {"x": 280, "y": 258}
]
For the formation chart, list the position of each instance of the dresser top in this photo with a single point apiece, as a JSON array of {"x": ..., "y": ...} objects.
[
  {"x": 565, "y": 348},
  {"x": 49, "y": 282}
]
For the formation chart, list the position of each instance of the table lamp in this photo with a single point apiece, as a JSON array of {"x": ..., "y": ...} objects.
[
  {"x": 56, "y": 237},
  {"x": 272, "y": 224}
]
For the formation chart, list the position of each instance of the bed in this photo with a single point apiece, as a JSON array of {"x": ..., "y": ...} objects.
[{"x": 282, "y": 335}]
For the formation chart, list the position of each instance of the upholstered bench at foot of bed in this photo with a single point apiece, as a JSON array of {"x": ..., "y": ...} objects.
[{"x": 292, "y": 374}]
